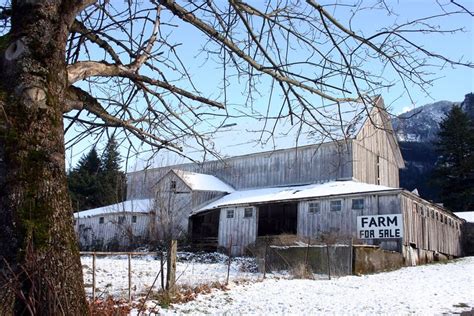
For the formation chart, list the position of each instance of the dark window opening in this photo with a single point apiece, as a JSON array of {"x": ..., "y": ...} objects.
[
  {"x": 121, "y": 219},
  {"x": 204, "y": 229},
  {"x": 173, "y": 185},
  {"x": 101, "y": 220},
  {"x": 230, "y": 213},
  {"x": 335, "y": 206},
  {"x": 314, "y": 207},
  {"x": 275, "y": 219},
  {"x": 358, "y": 204},
  {"x": 134, "y": 219},
  {"x": 248, "y": 212}
]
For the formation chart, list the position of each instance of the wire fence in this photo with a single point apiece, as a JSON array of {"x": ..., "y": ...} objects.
[
  {"x": 130, "y": 275},
  {"x": 303, "y": 258}
]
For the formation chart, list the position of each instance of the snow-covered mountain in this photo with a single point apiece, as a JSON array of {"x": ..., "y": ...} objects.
[
  {"x": 422, "y": 124},
  {"x": 416, "y": 131}
]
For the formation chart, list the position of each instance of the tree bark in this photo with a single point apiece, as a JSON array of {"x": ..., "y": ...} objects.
[{"x": 39, "y": 257}]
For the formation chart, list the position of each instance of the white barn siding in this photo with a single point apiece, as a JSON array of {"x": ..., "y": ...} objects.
[
  {"x": 91, "y": 233},
  {"x": 302, "y": 165},
  {"x": 430, "y": 227},
  {"x": 372, "y": 142},
  {"x": 343, "y": 224},
  {"x": 238, "y": 231}
]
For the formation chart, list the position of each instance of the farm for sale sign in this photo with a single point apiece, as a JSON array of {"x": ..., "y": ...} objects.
[{"x": 380, "y": 226}]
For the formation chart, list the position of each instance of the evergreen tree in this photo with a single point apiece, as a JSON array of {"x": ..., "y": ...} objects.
[
  {"x": 455, "y": 167},
  {"x": 84, "y": 182},
  {"x": 112, "y": 178}
]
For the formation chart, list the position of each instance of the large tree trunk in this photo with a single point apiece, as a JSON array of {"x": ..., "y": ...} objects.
[{"x": 39, "y": 258}]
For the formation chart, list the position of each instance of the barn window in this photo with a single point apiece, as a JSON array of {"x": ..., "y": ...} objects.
[
  {"x": 432, "y": 214},
  {"x": 121, "y": 219},
  {"x": 101, "y": 220},
  {"x": 248, "y": 212},
  {"x": 357, "y": 204},
  {"x": 314, "y": 207},
  {"x": 422, "y": 211},
  {"x": 230, "y": 213},
  {"x": 436, "y": 215},
  {"x": 134, "y": 219},
  {"x": 335, "y": 205},
  {"x": 173, "y": 185}
]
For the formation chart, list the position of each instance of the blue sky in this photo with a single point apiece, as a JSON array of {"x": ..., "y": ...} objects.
[{"x": 451, "y": 84}]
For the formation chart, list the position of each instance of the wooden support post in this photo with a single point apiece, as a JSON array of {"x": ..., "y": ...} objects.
[
  {"x": 162, "y": 268},
  {"x": 265, "y": 259},
  {"x": 228, "y": 263},
  {"x": 93, "y": 277},
  {"x": 351, "y": 260},
  {"x": 307, "y": 255},
  {"x": 329, "y": 261},
  {"x": 129, "y": 278},
  {"x": 171, "y": 266}
]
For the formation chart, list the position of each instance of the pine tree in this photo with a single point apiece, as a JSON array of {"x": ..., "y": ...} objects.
[
  {"x": 84, "y": 182},
  {"x": 113, "y": 180},
  {"x": 455, "y": 167}
]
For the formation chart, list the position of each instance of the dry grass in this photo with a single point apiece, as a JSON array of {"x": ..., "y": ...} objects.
[
  {"x": 109, "y": 307},
  {"x": 182, "y": 294},
  {"x": 302, "y": 271}
]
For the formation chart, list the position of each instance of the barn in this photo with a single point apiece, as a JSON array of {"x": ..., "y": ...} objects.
[{"x": 318, "y": 187}]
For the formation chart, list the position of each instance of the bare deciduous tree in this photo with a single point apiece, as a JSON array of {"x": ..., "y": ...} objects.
[{"x": 109, "y": 67}]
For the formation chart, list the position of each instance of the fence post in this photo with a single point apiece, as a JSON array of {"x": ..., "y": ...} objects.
[
  {"x": 307, "y": 254},
  {"x": 171, "y": 266},
  {"x": 351, "y": 256},
  {"x": 162, "y": 269},
  {"x": 329, "y": 261},
  {"x": 265, "y": 258},
  {"x": 129, "y": 277},
  {"x": 228, "y": 264},
  {"x": 93, "y": 276}
]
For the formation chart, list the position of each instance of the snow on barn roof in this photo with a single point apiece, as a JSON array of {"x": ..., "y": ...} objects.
[
  {"x": 467, "y": 216},
  {"x": 203, "y": 182},
  {"x": 292, "y": 193},
  {"x": 133, "y": 206}
]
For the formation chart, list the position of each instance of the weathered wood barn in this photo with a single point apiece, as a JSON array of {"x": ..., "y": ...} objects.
[{"x": 310, "y": 190}]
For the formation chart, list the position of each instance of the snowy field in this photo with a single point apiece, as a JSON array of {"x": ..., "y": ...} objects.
[
  {"x": 429, "y": 289},
  {"x": 112, "y": 272}
]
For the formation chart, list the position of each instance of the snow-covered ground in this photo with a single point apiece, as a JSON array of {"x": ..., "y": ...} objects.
[
  {"x": 429, "y": 289},
  {"x": 112, "y": 272}
]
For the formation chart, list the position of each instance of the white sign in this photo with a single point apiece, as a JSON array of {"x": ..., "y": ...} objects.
[{"x": 380, "y": 226}]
